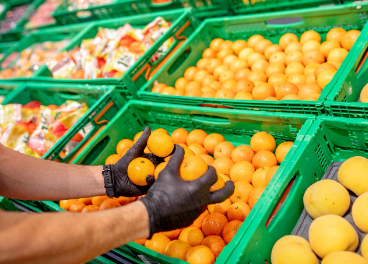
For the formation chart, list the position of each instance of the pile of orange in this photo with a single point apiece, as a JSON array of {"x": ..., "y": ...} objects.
[
  {"x": 257, "y": 69},
  {"x": 249, "y": 167}
]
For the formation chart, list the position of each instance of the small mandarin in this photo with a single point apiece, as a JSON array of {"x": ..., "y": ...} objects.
[
  {"x": 241, "y": 192},
  {"x": 211, "y": 141},
  {"x": 223, "y": 149},
  {"x": 262, "y": 141},
  {"x": 230, "y": 230},
  {"x": 287, "y": 39},
  {"x": 139, "y": 169},
  {"x": 219, "y": 207},
  {"x": 196, "y": 136},
  {"x": 157, "y": 243},
  {"x": 270, "y": 173},
  {"x": 200, "y": 255},
  {"x": 238, "y": 211},
  {"x": 282, "y": 150},
  {"x": 160, "y": 144},
  {"x": 242, "y": 171},
  {"x": 180, "y": 135},
  {"x": 223, "y": 165},
  {"x": 259, "y": 177},
  {"x": 192, "y": 168}
]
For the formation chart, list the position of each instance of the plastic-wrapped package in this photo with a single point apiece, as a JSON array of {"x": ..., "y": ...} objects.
[{"x": 43, "y": 15}]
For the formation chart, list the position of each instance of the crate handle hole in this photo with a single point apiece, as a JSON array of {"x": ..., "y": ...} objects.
[
  {"x": 285, "y": 21},
  {"x": 211, "y": 120},
  {"x": 70, "y": 95},
  {"x": 179, "y": 61}
]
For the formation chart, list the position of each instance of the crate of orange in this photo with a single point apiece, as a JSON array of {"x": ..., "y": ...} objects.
[
  {"x": 348, "y": 98},
  {"x": 124, "y": 52},
  {"x": 247, "y": 147},
  {"x": 253, "y": 63}
]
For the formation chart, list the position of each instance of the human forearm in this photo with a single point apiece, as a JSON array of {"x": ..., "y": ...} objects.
[
  {"x": 69, "y": 237},
  {"x": 24, "y": 177}
]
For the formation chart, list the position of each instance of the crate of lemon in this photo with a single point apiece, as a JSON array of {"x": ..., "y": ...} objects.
[
  {"x": 255, "y": 63},
  {"x": 237, "y": 144}
]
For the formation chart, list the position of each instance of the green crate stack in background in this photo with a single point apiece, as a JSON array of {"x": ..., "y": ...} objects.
[
  {"x": 6, "y": 88},
  {"x": 352, "y": 16},
  {"x": 183, "y": 24},
  {"x": 207, "y": 8},
  {"x": 328, "y": 140},
  {"x": 343, "y": 99}
]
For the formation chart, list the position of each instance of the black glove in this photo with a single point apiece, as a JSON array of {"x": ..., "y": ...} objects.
[
  {"x": 173, "y": 203},
  {"x": 121, "y": 184}
]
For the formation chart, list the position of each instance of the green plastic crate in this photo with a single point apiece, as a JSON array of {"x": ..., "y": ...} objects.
[
  {"x": 6, "y": 88},
  {"x": 183, "y": 24},
  {"x": 328, "y": 140},
  {"x": 38, "y": 36},
  {"x": 237, "y": 127},
  {"x": 343, "y": 99},
  {"x": 103, "y": 102},
  {"x": 207, "y": 8},
  {"x": 7, "y": 205},
  {"x": 240, "y": 7},
  {"x": 352, "y": 16}
]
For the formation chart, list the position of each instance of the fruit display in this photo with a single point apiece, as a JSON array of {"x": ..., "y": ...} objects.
[
  {"x": 339, "y": 220},
  {"x": 12, "y": 17},
  {"x": 111, "y": 52},
  {"x": 43, "y": 15},
  {"x": 33, "y": 128},
  {"x": 30, "y": 59},
  {"x": 250, "y": 167},
  {"x": 258, "y": 69}
]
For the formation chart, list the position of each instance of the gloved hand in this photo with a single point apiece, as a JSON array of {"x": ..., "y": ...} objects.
[
  {"x": 173, "y": 203},
  {"x": 122, "y": 185}
]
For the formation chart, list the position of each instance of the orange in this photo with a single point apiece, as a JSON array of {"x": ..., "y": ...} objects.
[
  {"x": 242, "y": 153},
  {"x": 160, "y": 130},
  {"x": 262, "y": 45},
  {"x": 297, "y": 79},
  {"x": 228, "y": 84},
  {"x": 212, "y": 65},
  {"x": 336, "y": 34},
  {"x": 270, "y": 174},
  {"x": 259, "y": 177},
  {"x": 197, "y": 149},
  {"x": 226, "y": 75},
  {"x": 112, "y": 159},
  {"x": 180, "y": 135},
  {"x": 312, "y": 97},
  {"x": 264, "y": 158},
  {"x": 328, "y": 46},
  {"x": 216, "y": 44},
  {"x": 123, "y": 146},
  {"x": 271, "y": 99},
  {"x": 260, "y": 65},
  {"x": 208, "y": 159},
  {"x": 208, "y": 80},
  {"x": 278, "y": 57},
  {"x": 211, "y": 141},
  {"x": 65, "y": 204},
  {"x": 139, "y": 169},
  {"x": 157, "y": 243},
  {"x": 168, "y": 91},
  {"x": 159, "y": 168},
  {"x": 209, "y": 94},
  {"x": 192, "y": 168},
  {"x": 192, "y": 85},
  {"x": 109, "y": 203},
  {"x": 245, "y": 53},
  {"x": 218, "y": 184},
  {"x": 225, "y": 94},
  {"x": 241, "y": 192},
  {"x": 158, "y": 87},
  {"x": 223, "y": 176},
  {"x": 76, "y": 206},
  {"x": 90, "y": 208},
  {"x": 177, "y": 249},
  {"x": 137, "y": 136},
  {"x": 213, "y": 224},
  {"x": 198, "y": 222},
  {"x": 262, "y": 91},
  {"x": 310, "y": 79},
  {"x": 124, "y": 200},
  {"x": 229, "y": 60},
  {"x": 262, "y": 141},
  {"x": 202, "y": 64},
  {"x": 194, "y": 93},
  {"x": 208, "y": 90},
  {"x": 285, "y": 89},
  {"x": 294, "y": 56},
  {"x": 223, "y": 165},
  {"x": 227, "y": 44},
  {"x": 310, "y": 35},
  {"x": 338, "y": 54},
  {"x": 277, "y": 79},
  {"x": 275, "y": 68},
  {"x": 219, "y": 207},
  {"x": 97, "y": 200},
  {"x": 349, "y": 38},
  {"x": 271, "y": 50},
  {"x": 200, "y": 75},
  {"x": 291, "y": 97},
  {"x": 309, "y": 89},
  {"x": 160, "y": 144},
  {"x": 242, "y": 171},
  {"x": 190, "y": 73},
  {"x": 86, "y": 201},
  {"x": 322, "y": 67},
  {"x": 238, "y": 45},
  {"x": 230, "y": 230},
  {"x": 200, "y": 255},
  {"x": 313, "y": 56},
  {"x": 294, "y": 46},
  {"x": 243, "y": 86},
  {"x": 255, "y": 56},
  {"x": 282, "y": 150},
  {"x": 243, "y": 96},
  {"x": 222, "y": 54},
  {"x": 219, "y": 70},
  {"x": 254, "y": 40},
  {"x": 254, "y": 196},
  {"x": 311, "y": 45},
  {"x": 196, "y": 136},
  {"x": 287, "y": 39},
  {"x": 242, "y": 74},
  {"x": 294, "y": 68},
  {"x": 215, "y": 243},
  {"x": 310, "y": 68},
  {"x": 238, "y": 211},
  {"x": 172, "y": 234},
  {"x": 325, "y": 77},
  {"x": 141, "y": 241},
  {"x": 223, "y": 149},
  {"x": 192, "y": 235},
  {"x": 237, "y": 65}
]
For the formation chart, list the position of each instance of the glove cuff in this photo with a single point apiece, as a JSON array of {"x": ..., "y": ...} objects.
[
  {"x": 108, "y": 180},
  {"x": 151, "y": 215}
]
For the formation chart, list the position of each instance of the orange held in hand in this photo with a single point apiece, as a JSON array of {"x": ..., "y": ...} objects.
[
  {"x": 160, "y": 144},
  {"x": 139, "y": 169},
  {"x": 192, "y": 168}
]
